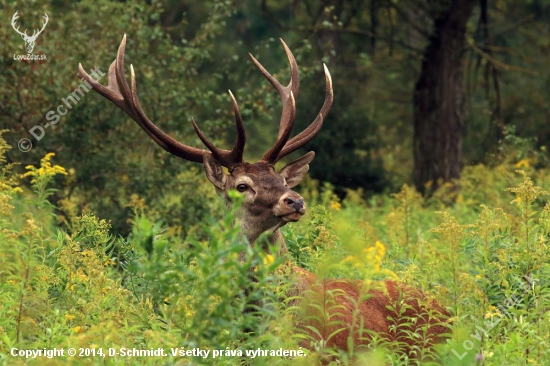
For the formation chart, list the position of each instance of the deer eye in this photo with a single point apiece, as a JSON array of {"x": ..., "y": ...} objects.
[{"x": 242, "y": 187}]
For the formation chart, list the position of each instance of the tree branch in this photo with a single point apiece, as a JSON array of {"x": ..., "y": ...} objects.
[
  {"x": 356, "y": 31},
  {"x": 499, "y": 63}
]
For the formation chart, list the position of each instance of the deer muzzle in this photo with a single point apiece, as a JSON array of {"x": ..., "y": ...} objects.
[{"x": 291, "y": 207}]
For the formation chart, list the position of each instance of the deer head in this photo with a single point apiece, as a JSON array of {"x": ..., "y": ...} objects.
[
  {"x": 269, "y": 202},
  {"x": 29, "y": 40}
]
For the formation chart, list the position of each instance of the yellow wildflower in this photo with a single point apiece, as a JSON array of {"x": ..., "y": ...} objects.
[
  {"x": 69, "y": 317},
  {"x": 46, "y": 169},
  {"x": 78, "y": 329},
  {"x": 268, "y": 259},
  {"x": 523, "y": 162},
  {"x": 109, "y": 262},
  {"x": 493, "y": 311},
  {"x": 136, "y": 203},
  {"x": 335, "y": 205},
  {"x": 373, "y": 257}
]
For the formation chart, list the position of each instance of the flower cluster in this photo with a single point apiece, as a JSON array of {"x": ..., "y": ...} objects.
[
  {"x": 527, "y": 192},
  {"x": 371, "y": 257},
  {"x": 335, "y": 206},
  {"x": 46, "y": 169}
]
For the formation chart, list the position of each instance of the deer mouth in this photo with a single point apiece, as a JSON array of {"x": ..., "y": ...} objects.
[{"x": 293, "y": 217}]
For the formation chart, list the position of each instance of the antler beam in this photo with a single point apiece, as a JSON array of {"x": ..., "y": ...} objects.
[{"x": 126, "y": 98}]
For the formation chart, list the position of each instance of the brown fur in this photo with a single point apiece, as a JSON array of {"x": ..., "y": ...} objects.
[{"x": 340, "y": 299}]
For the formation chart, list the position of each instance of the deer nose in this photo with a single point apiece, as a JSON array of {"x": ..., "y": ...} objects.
[{"x": 295, "y": 203}]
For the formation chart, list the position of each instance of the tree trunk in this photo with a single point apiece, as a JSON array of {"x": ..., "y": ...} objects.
[{"x": 439, "y": 100}]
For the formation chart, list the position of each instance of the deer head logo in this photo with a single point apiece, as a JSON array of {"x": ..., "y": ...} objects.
[{"x": 29, "y": 40}]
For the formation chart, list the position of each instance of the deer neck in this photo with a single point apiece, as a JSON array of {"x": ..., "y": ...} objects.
[{"x": 275, "y": 237}]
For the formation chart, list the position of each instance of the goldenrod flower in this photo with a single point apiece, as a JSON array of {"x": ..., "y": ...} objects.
[
  {"x": 46, "y": 169},
  {"x": 493, "y": 311},
  {"x": 523, "y": 162},
  {"x": 268, "y": 259},
  {"x": 371, "y": 257}
]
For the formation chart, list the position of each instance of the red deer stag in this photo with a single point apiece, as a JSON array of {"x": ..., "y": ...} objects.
[{"x": 269, "y": 203}]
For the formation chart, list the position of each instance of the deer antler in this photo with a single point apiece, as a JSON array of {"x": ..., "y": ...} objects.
[
  {"x": 126, "y": 98},
  {"x": 288, "y": 93}
]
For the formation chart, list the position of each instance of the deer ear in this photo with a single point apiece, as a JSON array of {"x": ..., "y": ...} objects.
[
  {"x": 294, "y": 172},
  {"x": 214, "y": 171}
]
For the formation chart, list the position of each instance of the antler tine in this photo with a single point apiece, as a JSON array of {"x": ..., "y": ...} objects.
[
  {"x": 309, "y": 133},
  {"x": 293, "y": 87},
  {"x": 217, "y": 154},
  {"x": 118, "y": 92},
  {"x": 283, "y": 146},
  {"x": 227, "y": 158},
  {"x": 238, "y": 147},
  {"x": 289, "y": 115}
]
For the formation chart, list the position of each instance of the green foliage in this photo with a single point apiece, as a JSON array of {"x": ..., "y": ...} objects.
[{"x": 80, "y": 286}]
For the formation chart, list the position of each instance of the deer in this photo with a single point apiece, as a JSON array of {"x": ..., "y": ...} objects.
[
  {"x": 29, "y": 40},
  {"x": 269, "y": 203}
]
